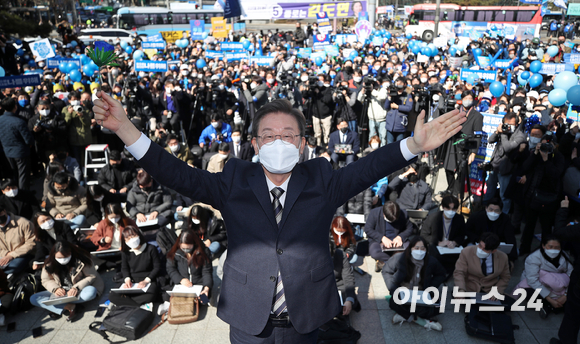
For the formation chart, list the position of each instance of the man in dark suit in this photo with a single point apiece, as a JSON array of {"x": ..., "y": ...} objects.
[
  {"x": 16, "y": 201},
  {"x": 278, "y": 277},
  {"x": 343, "y": 136},
  {"x": 411, "y": 192},
  {"x": 311, "y": 151},
  {"x": 387, "y": 227},
  {"x": 240, "y": 149}
]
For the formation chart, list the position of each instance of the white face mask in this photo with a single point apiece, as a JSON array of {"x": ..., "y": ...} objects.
[
  {"x": 44, "y": 112},
  {"x": 115, "y": 219},
  {"x": 184, "y": 72},
  {"x": 195, "y": 221},
  {"x": 326, "y": 85},
  {"x": 357, "y": 79},
  {"x": 304, "y": 78},
  {"x": 534, "y": 141},
  {"x": 413, "y": 71},
  {"x": 270, "y": 81},
  {"x": 340, "y": 234},
  {"x": 215, "y": 124},
  {"x": 48, "y": 224},
  {"x": 424, "y": 80},
  {"x": 253, "y": 86},
  {"x": 467, "y": 103},
  {"x": 236, "y": 139},
  {"x": 482, "y": 254},
  {"x": 63, "y": 261},
  {"x": 449, "y": 213},
  {"x": 99, "y": 198},
  {"x": 194, "y": 75},
  {"x": 75, "y": 102},
  {"x": 418, "y": 254},
  {"x": 223, "y": 156},
  {"x": 492, "y": 216},
  {"x": 133, "y": 242},
  {"x": 435, "y": 97},
  {"x": 552, "y": 253},
  {"x": 12, "y": 193},
  {"x": 374, "y": 145},
  {"x": 279, "y": 157},
  {"x": 174, "y": 148}
]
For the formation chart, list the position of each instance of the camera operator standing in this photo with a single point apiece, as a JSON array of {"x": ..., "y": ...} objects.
[
  {"x": 399, "y": 104},
  {"x": 507, "y": 137},
  {"x": 323, "y": 106},
  {"x": 226, "y": 101},
  {"x": 346, "y": 99},
  {"x": 376, "y": 113},
  {"x": 49, "y": 130}
]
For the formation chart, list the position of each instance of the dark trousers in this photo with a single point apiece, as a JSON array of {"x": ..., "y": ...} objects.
[
  {"x": 447, "y": 260},
  {"x": 78, "y": 152},
  {"x": 377, "y": 253},
  {"x": 424, "y": 312},
  {"x": 570, "y": 326},
  {"x": 546, "y": 216},
  {"x": 273, "y": 335},
  {"x": 349, "y": 158},
  {"x": 6, "y": 301},
  {"x": 135, "y": 300},
  {"x": 21, "y": 171}
]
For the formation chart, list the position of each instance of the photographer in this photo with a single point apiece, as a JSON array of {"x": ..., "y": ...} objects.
[
  {"x": 346, "y": 99},
  {"x": 49, "y": 130},
  {"x": 284, "y": 89},
  {"x": 225, "y": 101},
  {"x": 258, "y": 92},
  {"x": 323, "y": 107},
  {"x": 78, "y": 120},
  {"x": 376, "y": 113},
  {"x": 399, "y": 104},
  {"x": 533, "y": 51},
  {"x": 508, "y": 136}
]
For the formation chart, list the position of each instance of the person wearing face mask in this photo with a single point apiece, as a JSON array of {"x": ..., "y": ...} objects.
[
  {"x": 147, "y": 200},
  {"x": 399, "y": 106},
  {"x": 343, "y": 143},
  {"x": 67, "y": 200},
  {"x": 16, "y": 201},
  {"x": 79, "y": 126},
  {"x": 25, "y": 110},
  {"x": 414, "y": 267},
  {"x": 240, "y": 148},
  {"x": 68, "y": 271},
  {"x": 483, "y": 266},
  {"x": 217, "y": 161},
  {"x": 49, "y": 130},
  {"x": 321, "y": 108},
  {"x": 445, "y": 228},
  {"x": 227, "y": 102},
  {"x": 342, "y": 237},
  {"x": 174, "y": 105},
  {"x": 16, "y": 242},
  {"x": 342, "y": 240},
  {"x": 179, "y": 150},
  {"x": 47, "y": 232},
  {"x": 492, "y": 219},
  {"x": 118, "y": 175},
  {"x": 257, "y": 94},
  {"x": 387, "y": 227},
  {"x": 548, "y": 269},
  {"x": 188, "y": 264},
  {"x": 207, "y": 223},
  {"x": 374, "y": 144},
  {"x": 215, "y": 133},
  {"x": 140, "y": 266},
  {"x": 108, "y": 233},
  {"x": 278, "y": 215}
]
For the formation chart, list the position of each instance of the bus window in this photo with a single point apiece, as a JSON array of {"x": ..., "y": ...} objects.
[
  {"x": 525, "y": 16},
  {"x": 140, "y": 19},
  {"x": 504, "y": 16},
  {"x": 159, "y": 18},
  {"x": 418, "y": 15},
  {"x": 469, "y": 16},
  {"x": 447, "y": 15},
  {"x": 180, "y": 18},
  {"x": 429, "y": 15},
  {"x": 484, "y": 16},
  {"x": 126, "y": 20}
]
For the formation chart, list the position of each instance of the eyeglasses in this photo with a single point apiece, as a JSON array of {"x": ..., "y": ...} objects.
[{"x": 286, "y": 137}]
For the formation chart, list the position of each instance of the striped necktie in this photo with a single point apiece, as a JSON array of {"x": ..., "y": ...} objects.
[{"x": 279, "y": 305}]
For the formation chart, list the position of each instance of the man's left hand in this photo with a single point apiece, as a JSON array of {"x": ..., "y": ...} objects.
[
  {"x": 70, "y": 216},
  {"x": 207, "y": 242},
  {"x": 397, "y": 242},
  {"x": 5, "y": 260},
  {"x": 430, "y": 135},
  {"x": 347, "y": 308}
]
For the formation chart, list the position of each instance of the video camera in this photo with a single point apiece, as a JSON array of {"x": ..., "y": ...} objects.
[
  {"x": 369, "y": 83},
  {"x": 286, "y": 80}
]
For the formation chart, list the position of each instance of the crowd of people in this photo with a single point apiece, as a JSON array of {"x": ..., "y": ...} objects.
[{"x": 365, "y": 98}]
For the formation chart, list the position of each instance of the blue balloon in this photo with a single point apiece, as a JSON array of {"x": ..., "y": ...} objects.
[
  {"x": 123, "y": 44},
  {"x": 246, "y": 44},
  {"x": 18, "y": 42},
  {"x": 31, "y": 63},
  {"x": 553, "y": 50},
  {"x": 204, "y": 35},
  {"x": 434, "y": 51},
  {"x": 565, "y": 80},
  {"x": 20, "y": 52},
  {"x": 416, "y": 49},
  {"x": 353, "y": 54},
  {"x": 535, "y": 66},
  {"x": 63, "y": 67},
  {"x": 496, "y": 88},
  {"x": 535, "y": 80},
  {"x": 388, "y": 35},
  {"x": 138, "y": 55},
  {"x": 409, "y": 36},
  {"x": 2, "y": 72},
  {"x": 88, "y": 70},
  {"x": 423, "y": 44},
  {"x": 477, "y": 52},
  {"x": 471, "y": 79},
  {"x": 526, "y": 75},
  {"x": 557, "y": 97},
  {"x": 521, "y": 80},
  {"x": 128, "y": 49},
  {"x": 71, "y": 66},
  {"x": 200, "y": 63},
  {"x": 74, "y": 43},
  {"x": 85, "y": 59},
  {"x": 573, "y": 95},
  {"x": 73, "y": 55},
  {"x": 426, "y": 51},
  {"x": 452, "y": 51},
  {"x": 318, "y": 61},
  {"x": 75, "y": 75}
]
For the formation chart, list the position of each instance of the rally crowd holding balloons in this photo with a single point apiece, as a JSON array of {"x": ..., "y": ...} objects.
[{"x": 371, "y": 89}]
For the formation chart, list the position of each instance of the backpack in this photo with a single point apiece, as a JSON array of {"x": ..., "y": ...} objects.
[
  {"x": 337, "y": 331},
  {"x": 24, "y": 287},
  {"x": 494, "y": 326},
  {"x": 125, "y": 321},
  {"x": 165, "y": 239}
]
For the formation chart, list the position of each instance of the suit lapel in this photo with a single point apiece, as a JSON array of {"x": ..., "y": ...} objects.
[
  {"x": 257, "y": 182},
  {"x": 295, "y": 187}
]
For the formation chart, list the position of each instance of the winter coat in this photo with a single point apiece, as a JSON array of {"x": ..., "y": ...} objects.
[
  {"x": 158, "y": 199},
  {"x": 81, "y": 276}
]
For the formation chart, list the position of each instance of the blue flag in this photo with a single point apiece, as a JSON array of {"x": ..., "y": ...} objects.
[{"x": 232, "y": 9}]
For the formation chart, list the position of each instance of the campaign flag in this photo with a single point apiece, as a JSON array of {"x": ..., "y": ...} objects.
[
  {"x": 42, "y": 49},
  {"x": 197, "y": 29},
  {"x": 324, "y": 26},
  {"x": 320, "y": 41},
  {"x": 331, "y": 50},
  {"x": 153, "y": 45},
  {"x": 265, "y": 61},
  {"x": 304, "y": 52},
  {"x": 54, "y": 62},
  {"x": 483, "y": 75},
  {"x": 363, "y": 30},
  {"x": 239, "y": 46},
  {"x": 232, "y": 9}
]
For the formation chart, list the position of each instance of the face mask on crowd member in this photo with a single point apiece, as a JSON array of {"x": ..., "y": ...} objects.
[
  {"x": 493, "y": 210},
  {"x": 535, "y": 137},
  {"x": 418, "y": 251}
]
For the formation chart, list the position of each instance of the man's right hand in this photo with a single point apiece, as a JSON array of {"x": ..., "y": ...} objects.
[
  {"x": 59, "y": 216},
  {"x": 108, "y": 240},
  {"x": 110, "y": 113},
  {"x": 113, "y": 191},
  {"x": 141, "y": 218},
  {"x": 387, "y": 242},
  {"x": 565, "y": 203},
  {"x": 186, "y": 283}
]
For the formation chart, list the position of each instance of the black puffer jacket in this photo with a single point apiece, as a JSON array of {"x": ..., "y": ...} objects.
[
  {"x": 178, "y": 269},
  {"x": 158, "y": 199}
]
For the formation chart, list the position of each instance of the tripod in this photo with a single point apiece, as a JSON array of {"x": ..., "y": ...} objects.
[{"x": 364, "y": 121}]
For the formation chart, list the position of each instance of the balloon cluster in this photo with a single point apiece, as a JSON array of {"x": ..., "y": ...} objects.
[
  {"x": 182, "y": 43},
  {"x": 565, "y": 88}
]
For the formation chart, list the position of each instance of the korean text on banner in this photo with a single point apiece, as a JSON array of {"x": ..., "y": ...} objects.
[
  {"x": 197, "y": 29},
  {"x": 306, "y": 10},
  {"x": 324, "y": 26},
  {"x": 54, "y": 62},
  {"x": 572, "y": 58},
  {"x": 172, "y": 36},
  {"x": 20, "y": 81},
  {"x": 151, "y": 66},
  {"x": 304, "y": 52},
  {"x": 218, "y": 26},
  {"x": 212, "y": 54},
  {"x": 232, "y": 46},
  {"x": 483, "y": 75},
  {"x": 320, "y": 41},
  {"x": 262, "y": 61},
  {"x": 153, "y": 45}
]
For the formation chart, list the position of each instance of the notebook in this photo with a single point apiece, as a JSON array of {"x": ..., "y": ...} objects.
[
  {"x": 181, "y": 290},
  {"x": 447, "y": 250},
  {"x": 132, "y": 290},
  {"x": 58, "y": 300}
]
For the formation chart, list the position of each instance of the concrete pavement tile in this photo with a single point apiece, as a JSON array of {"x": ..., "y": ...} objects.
[
  {"x": 189, "y": 336},
  {"x": 217, "y": 336},
  {"x": 543, "y": 336},
  {"x": 12, "y": 337},
  {"x": 159, "y": 336},
  {"x": 421, "y": 335},
  {"x": 94, "y": 338},
  {"x": 215, "y": 323},
  {"x": 534, "y": 322},
  {"x": 525, "y": 336},
  {"x": 48, "y": 335},
  {"x": 368, "y": 323},
  {"x": 451, "y": 320},
  {"x": 47, "y": 323},
  {"x": 69, "y": 336},
  {"x": 25, "y": 320},
  {"x": 198, "y": 326},
  {"x": 365, "y": 291},
  {"x": 395, "y": 333},
  {"x": 460, "y": 336}
]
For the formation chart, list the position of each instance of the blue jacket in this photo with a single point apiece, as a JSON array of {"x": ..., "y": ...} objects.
[
  {"x": 396, "y": 121},
  {"x": 351, "y": 139},
  {"x": 15, "y": 136},
  {"x": 210, "y": 133}
]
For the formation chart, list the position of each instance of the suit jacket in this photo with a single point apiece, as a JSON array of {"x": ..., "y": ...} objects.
[
  {"x": 469, "y": 277},
  {"x": 351, "y": 139},
  {"x": 416, "y": 196},
  {"x": 304, "y": 156},
  {"x": 432, "y": 229},
  {"x": 24, "y": 204},
  {"x": 258, "y": 248},
  {"x": 478, "y": 223},
  {"x": 376, "y": 226},
  {"x": 246, "y": 151}
]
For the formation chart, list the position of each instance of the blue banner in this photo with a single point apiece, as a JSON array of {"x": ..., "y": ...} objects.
[
  {"x": 503, "y": 64},
  {"x": 572, "y": 58},
  {"x": 155, "y": 38},
  {"x": 531, "y": 2},
  {"x": 378, "y": 41},
  {"x": 197, "y": 29},
  {"x": 212, "y": 54},
  {"x": 304, "y": 52},
  {"x": 55, "y": 61},
  {"x": 229, "y": 56},
  {"x": 232, "y": 9},
  {"x": 153, "y": 45},
  {"x": 555, "y": 68},
  {"x": 151, "y": 66},
  {"x": 483, "y": 75},
  {"x": 232, "y": 46},
  {"x": 331, "y": 50},
  {"x": 341, "y": 39},
  {"x": 320, "y": 41},
  {"x": 20, "y": 81},
  {"x": 262, "y": 60}
]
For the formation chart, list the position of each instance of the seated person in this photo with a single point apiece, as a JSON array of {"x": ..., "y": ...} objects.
[
  {"x": 148, "y": 200},
  {"x": 97, "y": 199},
  {"x": 108, "y": 233},
  {"x": 209, "y": 226},
  {"x": 5, "y": 298},
  {"x": 311, "y": 151},
  {"x": 67, "y": 200},
  {"x": 16, "y": 242},
  {"x": 414, "y": 268},
  {"x": 71, "y": 165},
  {"x": 446, "y": 229},
  {"x": 342, "y": 236},
  {"x": 188, "y": 264},
  {"x": 217, "y": 161},
  {"x": 68, "y": 271},
  {"x": 483, "y": 266},
  {"x": 491, "y": 219},
  {"x": 47, "y": 233},
  {"x": 140, "y": 265},
  {"x": 410, "y": 191},
  {"x": 217, "y": 132},
  {"x": 178, "y": 150},
  {"x": 344, "y": 278},
  {"x": 118, "y": 175},
  {"x": 374, "y": 144},
  {"x": 343, "y": 136},
  {"x": 239, "y": 148},
  {"x": 361, "y": 204},
  {"x": 52, "y": 169},
  {"x": 387, "y": 227},
  {"x": 547, "y": 269},
  {"x": 16, "y": 201}
]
